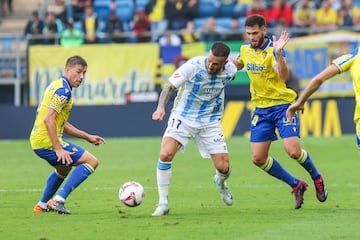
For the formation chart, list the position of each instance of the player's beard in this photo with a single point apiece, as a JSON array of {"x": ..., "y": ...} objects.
[{"x": 260, "y": 42}]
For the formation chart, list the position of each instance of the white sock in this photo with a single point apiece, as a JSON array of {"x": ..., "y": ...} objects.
[
  {"x": 59, "y": 198},
  {"x": 163, "y": 182},
  {"x": 222, "y": 176},
  {"x": 42, "y": 204}
]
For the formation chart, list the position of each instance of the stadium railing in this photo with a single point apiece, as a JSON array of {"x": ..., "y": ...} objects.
[{"x": 11, "y": 67}]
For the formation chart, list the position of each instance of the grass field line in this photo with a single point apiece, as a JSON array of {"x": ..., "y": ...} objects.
[{"x": 247, "y": 186}]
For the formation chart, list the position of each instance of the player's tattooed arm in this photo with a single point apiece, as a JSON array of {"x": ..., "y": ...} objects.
[
  {"x": 164, "y": 97},
  {"x": 165, "y": 94}
]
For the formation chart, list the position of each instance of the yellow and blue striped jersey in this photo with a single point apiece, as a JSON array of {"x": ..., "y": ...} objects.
[
  {"x": 351, "y": 62},
  {"x": 58, "y": 97},
  {"x": 266, "y": 87}
]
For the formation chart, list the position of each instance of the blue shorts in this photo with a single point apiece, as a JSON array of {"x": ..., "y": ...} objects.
[
  {"x": 265, "y": 121},
  {"x": 50, "y": 155}
]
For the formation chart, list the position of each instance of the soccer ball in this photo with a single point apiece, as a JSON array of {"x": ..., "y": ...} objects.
[{"x": 131, "y": 194}]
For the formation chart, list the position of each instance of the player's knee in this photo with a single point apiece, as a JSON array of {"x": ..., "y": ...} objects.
[
  {"x": 166, "y": 156},
  {"x": 258, "y": 161},
  {"x": 95, "y": 163},
  {"x": 294, "y": 153},
  {"x": 89, "y": 159},
  {"x": 223, "y": 167}
]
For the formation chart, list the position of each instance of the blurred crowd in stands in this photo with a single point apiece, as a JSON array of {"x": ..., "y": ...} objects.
[{"x": 173, "y": 22}]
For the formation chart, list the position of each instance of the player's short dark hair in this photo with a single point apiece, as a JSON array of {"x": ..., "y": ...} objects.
[
  {"x": 220, "y": 49},
  {"x": 255, "y": 20},
  {"x": 76, "y": 60}
]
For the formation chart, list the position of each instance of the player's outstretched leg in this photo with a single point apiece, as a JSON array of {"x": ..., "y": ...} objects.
[
  {"x": 306, "y": 161},
  {"x": 225, "y": 193}
]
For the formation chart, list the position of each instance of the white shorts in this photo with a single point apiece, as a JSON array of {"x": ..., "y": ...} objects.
[{"x": 208, "y": 137}]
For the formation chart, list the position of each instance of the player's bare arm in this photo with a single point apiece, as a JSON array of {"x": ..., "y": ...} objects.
[
  {"x": 279, "y": 45},
  {"x": 50, "y": 123},
  {"x": 75, "y": 132},
  {"x": 314, "y": 85},
  {"x": 164, "y": 97}
]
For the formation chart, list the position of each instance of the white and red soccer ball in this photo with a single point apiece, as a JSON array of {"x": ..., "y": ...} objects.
[{"x": 131, "y": 194}]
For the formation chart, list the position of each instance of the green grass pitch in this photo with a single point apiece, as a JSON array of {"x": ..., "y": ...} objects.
[{"x": 263, "y": 206}]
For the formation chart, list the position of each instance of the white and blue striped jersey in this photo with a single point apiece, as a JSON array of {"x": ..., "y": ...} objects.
[{"x": 200, "y": 95}]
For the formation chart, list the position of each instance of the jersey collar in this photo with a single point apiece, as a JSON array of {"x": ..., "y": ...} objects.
[
  {"x": 67, "y": 81},
  {"x": 267, "y": 43}
]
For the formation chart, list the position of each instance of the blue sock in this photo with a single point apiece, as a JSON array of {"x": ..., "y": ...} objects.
[
  {"x": 273, "y": 167},
  {"x": 308, "y": 164},
  {"x": 52, "y": 184},
  {"x": 78, "y": 175}
]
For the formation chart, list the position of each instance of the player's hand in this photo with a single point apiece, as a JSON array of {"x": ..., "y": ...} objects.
[
  {"x": 96, "y": 140},
  {"x": 64, "y": 156},
  {"x": 158, "y": 115},
  {"x": 292, "y": 109},
  {"x": 281, "y": 42}
]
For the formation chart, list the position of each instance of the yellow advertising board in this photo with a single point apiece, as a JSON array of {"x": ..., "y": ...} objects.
[{"x": 113, "y": 71}]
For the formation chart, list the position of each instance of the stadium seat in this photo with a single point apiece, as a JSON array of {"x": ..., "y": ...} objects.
[
  {"x": 226, "y": 10},
  {"x": 125, "y": 10},
  {"x": 207, "y": 8},
  {"x": 140, "y": 4},
  {"x": 8, "y": 55},
  {"x": 102, "y": 8},
  {"x": 224, "y": 22},
  {"x": 199, "y": 22}
]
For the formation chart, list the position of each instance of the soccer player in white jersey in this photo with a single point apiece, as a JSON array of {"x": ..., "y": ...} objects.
[
  {"x": 47, "y": 142},
  {"x": 196, "y": 114}
]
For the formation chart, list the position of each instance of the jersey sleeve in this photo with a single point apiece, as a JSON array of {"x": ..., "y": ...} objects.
[
  {"x": 345, "y": 61},
  {"x": 239, "y": 58},
  {"x": 181, "y": 74},
  {"x": 60, "y": 98}
]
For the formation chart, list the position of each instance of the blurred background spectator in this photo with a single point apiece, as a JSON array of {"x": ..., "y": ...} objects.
[
  {"x": 210, "y": 31},
  {"x": 114, "y": 28},
  {"x": 259, "y": 7},
  {"x": 348, "y": 14},
  {"x": 78, "y": 8},
  {"x": 155, "y": 10},
  {"x": 280, "y": 13},
  {"x": 71, "y": 36},
  {"x": 58, "y": 8},
  {"x": 188, "y": 34},
  {"x": 140, "y": 30},
  {"x": 170, "y": 39},
  {"x": 179, "y": 12},
  {"x": 34, "y": 26},
  {"x": 90, "y": 25},
  {"x": 52, "y": 26},
  {"x": 326, "y": 17},
  {"x": 304, "y": 14},
  {"x": 234, "y": 33}
]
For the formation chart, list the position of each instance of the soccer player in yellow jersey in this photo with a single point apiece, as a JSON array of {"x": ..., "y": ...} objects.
[
  {"x": 347, "y": 62},
  {"x": 264, "y": 61},
  {"x": 46, "y": 140}
]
